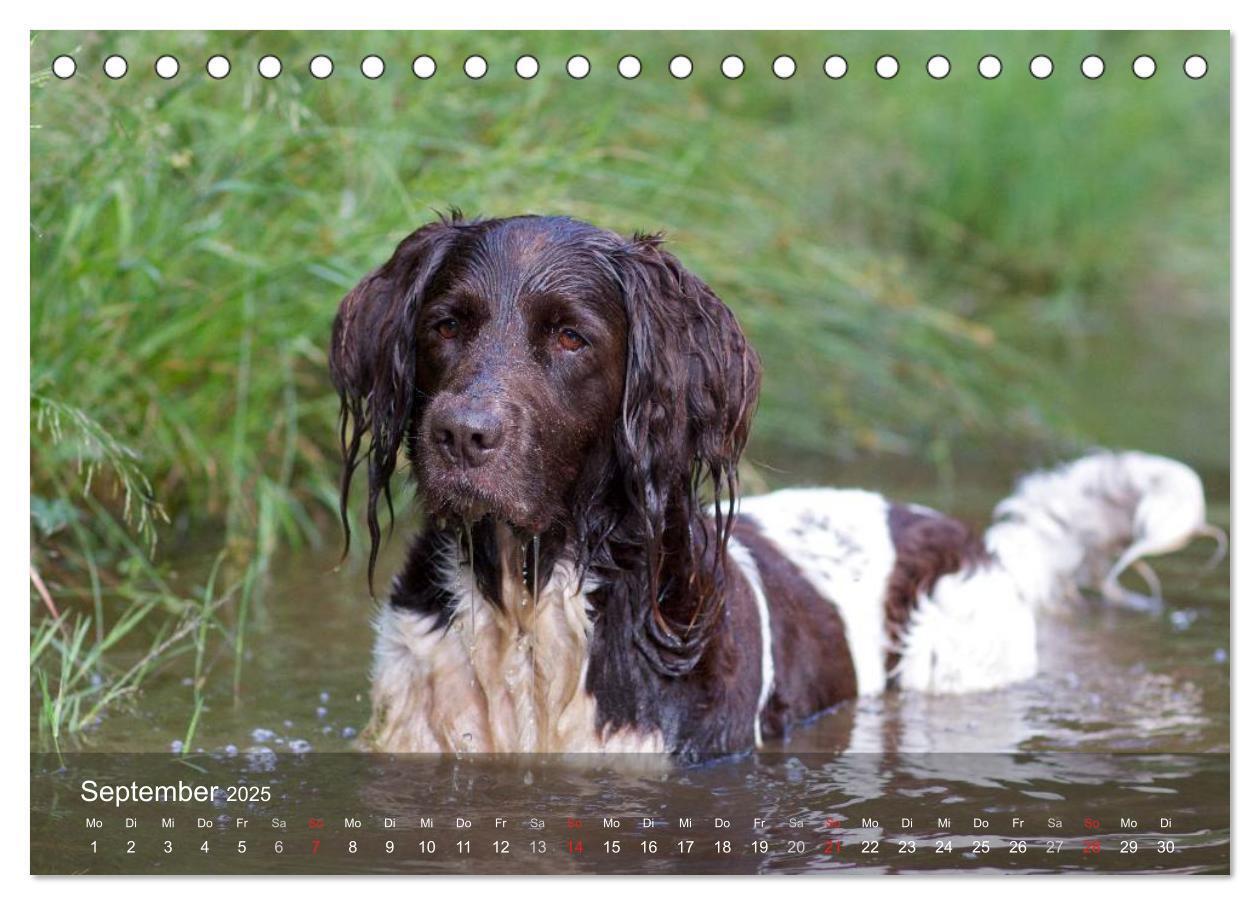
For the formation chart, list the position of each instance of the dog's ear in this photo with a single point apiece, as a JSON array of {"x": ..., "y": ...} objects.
[
  {"x": 690, "y": 391},
  {"x": 372, "y": 360}
]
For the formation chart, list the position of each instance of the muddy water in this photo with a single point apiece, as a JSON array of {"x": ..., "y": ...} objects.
[{"x": 1128, "y": 717}]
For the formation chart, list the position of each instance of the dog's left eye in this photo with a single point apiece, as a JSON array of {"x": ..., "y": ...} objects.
[
  {"x": 569, "y": 340},
  {"x": 447, "y": 328}
]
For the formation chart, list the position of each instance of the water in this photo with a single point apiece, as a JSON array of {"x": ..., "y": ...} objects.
[{"x": 1129, "y": 715}]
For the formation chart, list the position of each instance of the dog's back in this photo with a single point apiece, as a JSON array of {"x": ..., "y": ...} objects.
[{"x": 926, "y": 604}]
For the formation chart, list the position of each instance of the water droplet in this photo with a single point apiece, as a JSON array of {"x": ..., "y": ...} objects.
[{"x": 1182, "y": 619}]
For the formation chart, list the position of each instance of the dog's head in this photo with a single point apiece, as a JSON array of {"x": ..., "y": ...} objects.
[{"x": 546, "y": 374}]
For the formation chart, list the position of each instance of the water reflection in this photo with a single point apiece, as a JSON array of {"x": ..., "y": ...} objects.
[{"x": 560, "y": 814}]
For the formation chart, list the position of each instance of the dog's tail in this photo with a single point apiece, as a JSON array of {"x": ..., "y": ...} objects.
[{"x": 1083, "y": 524}]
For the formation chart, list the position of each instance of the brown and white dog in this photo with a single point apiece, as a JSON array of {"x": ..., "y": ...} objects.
[{"x": 565, "y": 397}]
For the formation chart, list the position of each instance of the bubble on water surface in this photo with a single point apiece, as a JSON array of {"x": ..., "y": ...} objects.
[
  {"x": 1182, "y": 619},
  {"x": 261, "y": 758}
]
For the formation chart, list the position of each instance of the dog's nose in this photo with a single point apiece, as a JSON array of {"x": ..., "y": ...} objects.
[{"x": 468, "y": 435}]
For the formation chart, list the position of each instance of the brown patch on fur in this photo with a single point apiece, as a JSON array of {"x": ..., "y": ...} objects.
[
  {"x": 813, "y": 664},
  {"x": 928, "y": 545}
]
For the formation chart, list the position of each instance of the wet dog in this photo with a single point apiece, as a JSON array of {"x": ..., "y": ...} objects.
[{"x": 573, "y": 406}]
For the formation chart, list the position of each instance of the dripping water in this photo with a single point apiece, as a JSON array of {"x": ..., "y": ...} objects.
[
  {"x": 470, "y": 637},
  {"x": 539, "y": 704}
]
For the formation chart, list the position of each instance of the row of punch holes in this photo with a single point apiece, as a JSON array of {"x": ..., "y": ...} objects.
[{"x": 630, "y": 67}]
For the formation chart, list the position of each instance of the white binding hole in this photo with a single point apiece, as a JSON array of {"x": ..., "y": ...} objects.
[
  {"x": 115, "y": 66},
  {"x": 784, "y": 66},
  {"x": 423, "y": 66},
  {"x": 321, "y": 66},
  {"x": 1092, "y": 67},
  {"x": 166, "y": 66},
  {"x": 989, "y": 66},
  {"x": 732, "y": 66},
  {"x": 887, "y": 67},
  {"x": 64, "y": 66},
  {"x": 938, "y": 66},
  {"x": 269, "y": 67},
  {"x": 476, "y": 66},
  {"x": 629, "y": 67},
  {"x": 1041, "y": 66},
  {"x": 680, "y": 66},
  {"x": 527, "y": 66},
  {"x": 1195, "y": 66},
  {"x": 578, "y": 66},
  {"x": 835, "y": 66},
  {"x": 1144, "y": 66},
  {"x": 372, "y": 67},
  {"x": 218, "y": 66}
]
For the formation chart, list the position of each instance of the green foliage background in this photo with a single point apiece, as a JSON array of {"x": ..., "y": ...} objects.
[{"x": 932, "y": 270}]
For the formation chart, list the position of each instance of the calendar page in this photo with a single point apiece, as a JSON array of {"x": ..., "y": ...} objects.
[{"x": 629, "y": 452}]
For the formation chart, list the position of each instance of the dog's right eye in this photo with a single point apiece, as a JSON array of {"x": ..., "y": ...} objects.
[{"x": 447, "y": 328}]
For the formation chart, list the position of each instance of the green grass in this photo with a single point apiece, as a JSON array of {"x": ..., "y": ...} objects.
[{"x": 932, "y": 270}]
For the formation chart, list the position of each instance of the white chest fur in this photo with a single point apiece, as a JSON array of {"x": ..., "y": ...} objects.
[{"x": 496, "y": 679}]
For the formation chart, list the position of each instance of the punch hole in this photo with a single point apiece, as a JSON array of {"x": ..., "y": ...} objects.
[
  {"x": 784, "y": 66},
  {"x": 321, "y": 66},
  {"x": 732, "y": 66},
  {"x": 938, "y": 66},
  {"x": 218, "y": 67},
  {"x": 527, "y": 66},
  {"x": 166, "y": 66},
  {"x": 578, "y": 67},
  {"x": 680, "y": 66},
  {"x": 1144, "y": 66},
  {"x": 629, "y": 67},
  {"x": 990, "y": 67},
  {"x": 476, "y": 67},
  {"x": 372, "y": 67},
  {"x": 835, "y": 66},
  {"x": 270, "y": 67},
  {"x": 1195, "y": 66},
  {"x": 64, "y": 66},
  {"x": 423, "y": 67},
  {"x": 1092, "y": 67},
  {"x": 887, "y": 67},
  {"x": 115, "y": 66},
  {"x": 1041, "y": 66}
]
